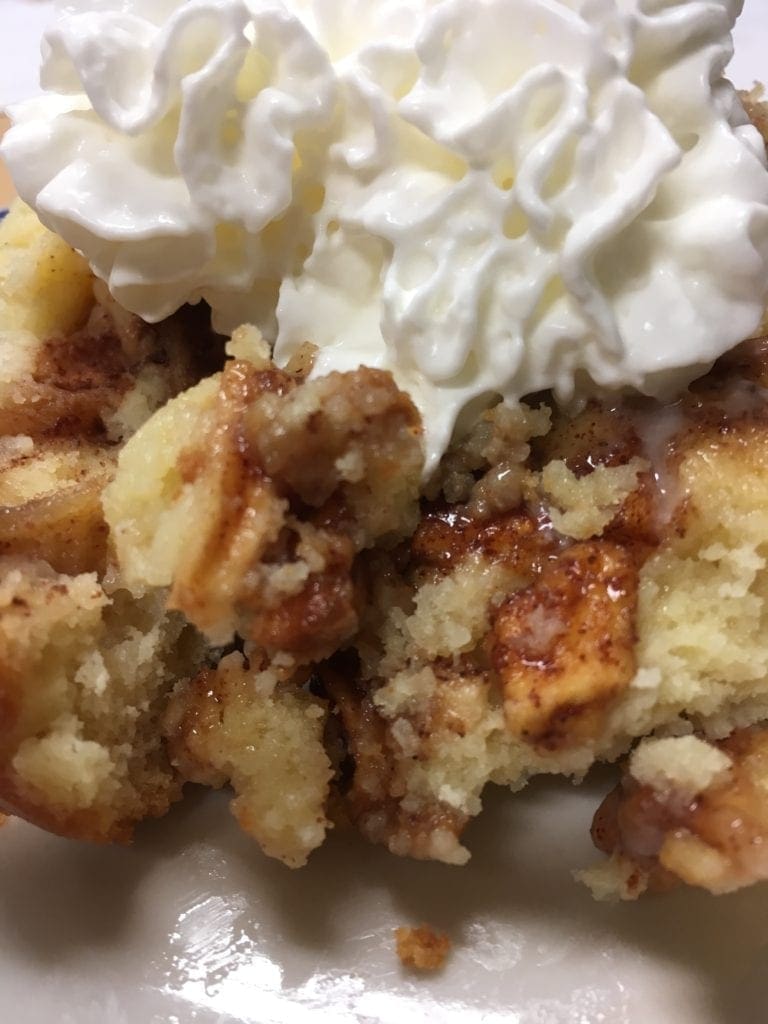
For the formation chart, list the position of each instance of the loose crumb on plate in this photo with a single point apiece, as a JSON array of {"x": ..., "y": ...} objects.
[{"x": 422, "y": 948}]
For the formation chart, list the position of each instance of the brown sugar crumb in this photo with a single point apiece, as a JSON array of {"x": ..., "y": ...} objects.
[
  {"x": 422, "y": 948},
  {"x": 757, "y": 109}
]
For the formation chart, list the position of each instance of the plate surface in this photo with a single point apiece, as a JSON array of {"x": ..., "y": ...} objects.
[{"x": 192, "y": 924}]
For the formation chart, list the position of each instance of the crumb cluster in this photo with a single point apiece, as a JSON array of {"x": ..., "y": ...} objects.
[{"x": 422, "y": 948}]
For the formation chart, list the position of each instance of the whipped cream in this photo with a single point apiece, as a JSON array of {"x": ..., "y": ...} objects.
[{"x": 488, "y": 198}]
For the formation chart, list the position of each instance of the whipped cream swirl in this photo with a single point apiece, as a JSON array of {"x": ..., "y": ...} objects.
[{"x": 487, "y": 198}]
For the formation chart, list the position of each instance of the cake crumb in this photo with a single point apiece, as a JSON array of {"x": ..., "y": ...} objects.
[{"x": 422, "y": 948}]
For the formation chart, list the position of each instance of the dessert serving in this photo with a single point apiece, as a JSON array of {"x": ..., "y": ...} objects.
[{"x": 384, "y": 415}]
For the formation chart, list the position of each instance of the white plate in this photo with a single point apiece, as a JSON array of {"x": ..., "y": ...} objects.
[{"x": 192, "y": 924}]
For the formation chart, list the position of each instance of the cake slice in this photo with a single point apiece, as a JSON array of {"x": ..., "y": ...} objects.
[{"x": 560, "y": 588}]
